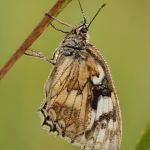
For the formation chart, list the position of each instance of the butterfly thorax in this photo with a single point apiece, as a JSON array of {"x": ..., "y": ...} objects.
[{"x": 74, "y": 43}]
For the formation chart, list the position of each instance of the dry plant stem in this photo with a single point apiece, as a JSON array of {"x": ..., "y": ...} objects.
[{"x": 54, "y": 11}]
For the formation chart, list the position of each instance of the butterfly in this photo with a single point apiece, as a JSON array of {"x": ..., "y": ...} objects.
[{"x": 80, "y": 101}]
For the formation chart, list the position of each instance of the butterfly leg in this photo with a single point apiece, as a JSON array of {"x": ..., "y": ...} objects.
[
  {"x": 58, "y": 29},
  {"x": 37, "y": 54},
  {"x": 67, "y": 25}
]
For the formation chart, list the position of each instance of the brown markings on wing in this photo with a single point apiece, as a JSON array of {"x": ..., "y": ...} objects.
[
  {"x": 68, "y": 101},
  {"x": 92, "y": 67},
  {"x": 87, "y": 70},
  {"x": 83, "y": 74},
  {"x": 62, "y": 78},
  {"x": 72, "y": 83},
  {"x": 56, "y": 78},
  {"x": 56, "y": 73}
]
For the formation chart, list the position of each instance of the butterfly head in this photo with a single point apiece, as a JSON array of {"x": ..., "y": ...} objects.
[
  {"x": 77, "y": 37},
  {"x": 81, "y": 31}
]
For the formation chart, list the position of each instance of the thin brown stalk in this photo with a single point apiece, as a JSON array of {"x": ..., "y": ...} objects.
[{"x": 39, "y": 29}]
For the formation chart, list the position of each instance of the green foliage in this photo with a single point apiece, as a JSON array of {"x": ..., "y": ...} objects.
[{"x": 144, "y": 143}]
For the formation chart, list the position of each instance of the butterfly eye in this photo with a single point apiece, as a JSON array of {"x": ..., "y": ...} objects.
[{"x": 84, "y": 30}]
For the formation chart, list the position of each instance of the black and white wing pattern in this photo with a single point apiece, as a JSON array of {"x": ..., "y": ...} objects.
[{"x": 81, "y": 103}]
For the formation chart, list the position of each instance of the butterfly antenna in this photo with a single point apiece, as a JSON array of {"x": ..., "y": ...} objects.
[
  {"x": 102, "y": 6},
  {"x": 84, "y": 18}
]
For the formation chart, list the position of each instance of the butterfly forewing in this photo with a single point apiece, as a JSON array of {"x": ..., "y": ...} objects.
[{"x": 80, "y": 100}]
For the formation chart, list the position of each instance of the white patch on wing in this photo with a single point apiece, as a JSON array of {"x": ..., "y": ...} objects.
[
  {"x": 104, "y": 105},
  {"x": 101, "y": 135},
  {"x": 93, "y": 114},
  {"x": 108, "y": 106},
  {"x": 98, "y": 80},
  {"x": 99, "y": 107},
  {"x": 110, "y": 124}
]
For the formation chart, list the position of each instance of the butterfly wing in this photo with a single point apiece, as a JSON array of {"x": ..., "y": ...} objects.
[{"x": 81, "y": 104}]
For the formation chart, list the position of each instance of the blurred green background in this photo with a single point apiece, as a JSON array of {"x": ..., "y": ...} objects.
[{"x": 121, "y": 31}]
